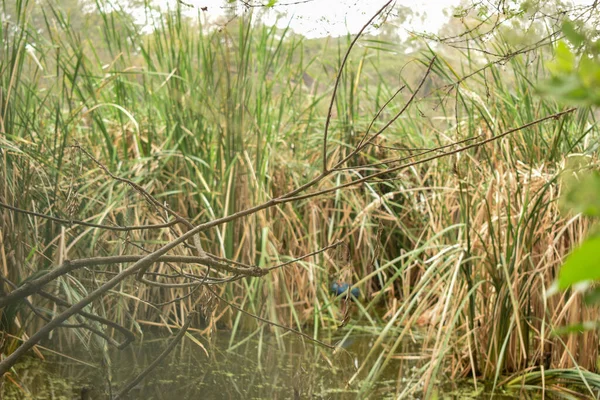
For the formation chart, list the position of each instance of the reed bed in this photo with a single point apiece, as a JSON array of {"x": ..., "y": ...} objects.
[{"x": 212, "y": 120}]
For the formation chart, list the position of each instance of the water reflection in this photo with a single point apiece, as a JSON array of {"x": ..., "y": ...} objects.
[
  {"x": 260, "y": 366},
  {"x": 252, "y": 366}
]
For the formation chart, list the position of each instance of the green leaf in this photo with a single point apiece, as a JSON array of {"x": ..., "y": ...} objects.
[
  {"x": 572, "y": 34},
  {"x": 589, "y": 72},
  {"x": 567, "y": 88},
  {"x": 583, "y": 264},
  {"x": 577, "y": 328},
  {"x": 565, "y": 59},
  {"x": 592, "y": 296},
  {"x": 271, "y": 3},
  {"x": 582, "y": 193}
]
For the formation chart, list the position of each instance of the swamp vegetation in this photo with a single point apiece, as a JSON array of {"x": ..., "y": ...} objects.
[{"x": 179, "y": 197}]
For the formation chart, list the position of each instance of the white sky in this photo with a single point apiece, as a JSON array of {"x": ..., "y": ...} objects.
[{"x": 338, "y": 17}]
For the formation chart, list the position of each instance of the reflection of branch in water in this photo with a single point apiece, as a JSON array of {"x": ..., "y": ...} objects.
[{"x": 158, "y": 359}]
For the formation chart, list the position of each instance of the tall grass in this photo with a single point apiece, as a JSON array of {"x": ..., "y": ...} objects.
[{"x": 213, "y": 120}]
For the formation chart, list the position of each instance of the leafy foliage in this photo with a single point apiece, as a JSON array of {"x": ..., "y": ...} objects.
[
  {"x": 575, "y": 69},
  {"x": 583, "y": 264},
  {"x": 576, "y": 80}
]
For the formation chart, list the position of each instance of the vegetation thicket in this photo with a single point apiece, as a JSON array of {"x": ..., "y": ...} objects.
[{"x": 99, "y": 112}]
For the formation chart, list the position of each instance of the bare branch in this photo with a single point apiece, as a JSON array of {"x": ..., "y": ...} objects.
[
  {"x": 379, "y": 113},
  {"x": 266, "y": 321},
  {"x": 395, "y": 160},
  {"x": 129, "y": 336},
  {"x": 9, "y": 361},
  {"x": 425, "y": 160},
  {"x": 364, "y": 143},
  {"x": 149, "y": 198},
  {"x": 337, "y": 81},
  {"x": 88, "y": 224},
  {"x": 331, "y": 246},
  {"x": 31, "y": 287}
]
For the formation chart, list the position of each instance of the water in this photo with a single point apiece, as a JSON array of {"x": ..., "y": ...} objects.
[{"x": 257, "y": 367}]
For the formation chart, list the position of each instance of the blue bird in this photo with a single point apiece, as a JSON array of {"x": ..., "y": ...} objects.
[{"x": 338, "y": 288}]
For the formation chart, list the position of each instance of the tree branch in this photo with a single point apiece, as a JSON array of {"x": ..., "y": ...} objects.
[
  {"x": 338, "y": 78},
  {"x": 88, "y": 224}
]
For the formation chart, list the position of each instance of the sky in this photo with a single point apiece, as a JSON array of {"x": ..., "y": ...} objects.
[
  {"x": 338, "y": 17},
  {"x": 318, "y": 18}
]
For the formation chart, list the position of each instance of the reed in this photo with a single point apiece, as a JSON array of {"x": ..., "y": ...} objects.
[{"x": 215, "y": 119}]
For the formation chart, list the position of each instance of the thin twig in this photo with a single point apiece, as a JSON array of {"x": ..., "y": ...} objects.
[
  {"x": 34, "y": 285},
  {"x": 149, "y": 198},
  {"x": 363, "y": 143},
  {"x": 89, "y": 224},
  {"x": 401, "y": 159},
  {"x": 425, "y": 160},
  {"x": 304, "y": 256},
  {"x": 339, "y": 77},
  {"x": 266, "y": 321}
]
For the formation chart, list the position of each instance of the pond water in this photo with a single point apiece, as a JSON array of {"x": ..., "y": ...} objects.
[{"x": 258, "y": 366}]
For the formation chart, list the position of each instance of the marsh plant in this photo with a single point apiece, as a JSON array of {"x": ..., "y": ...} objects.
[{"x": 223, "y": 175}]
